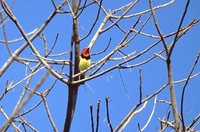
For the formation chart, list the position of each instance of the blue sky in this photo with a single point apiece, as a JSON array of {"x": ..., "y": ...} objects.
[{"x": 31, "y": 14}]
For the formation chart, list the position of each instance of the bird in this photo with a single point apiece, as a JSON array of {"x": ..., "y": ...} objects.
[{"x": 84, "y": 61}]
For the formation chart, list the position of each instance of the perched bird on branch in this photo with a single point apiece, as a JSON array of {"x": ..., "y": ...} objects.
[{"x": 84, "y": 61}]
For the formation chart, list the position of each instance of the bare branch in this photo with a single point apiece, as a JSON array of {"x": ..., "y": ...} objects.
[
  {"x": 129, "y": 116},
  {"x": 19, "y": 50},
  {"x": 150, "y": 117},
  {"x": 8, "y": 119},
  {"x": 23, "y": 103}
]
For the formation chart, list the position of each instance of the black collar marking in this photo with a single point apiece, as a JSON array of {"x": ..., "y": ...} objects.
[{"x": 87, "y": 58}]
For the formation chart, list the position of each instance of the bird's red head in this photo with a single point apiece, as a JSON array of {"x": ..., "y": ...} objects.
[{"x": 85, "y": 52}]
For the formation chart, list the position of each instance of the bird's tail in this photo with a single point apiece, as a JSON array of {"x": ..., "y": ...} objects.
[{"x": 82, "y": 77}]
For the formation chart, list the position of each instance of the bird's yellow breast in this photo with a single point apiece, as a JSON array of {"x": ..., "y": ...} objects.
[{"x": 84, "y": 63}]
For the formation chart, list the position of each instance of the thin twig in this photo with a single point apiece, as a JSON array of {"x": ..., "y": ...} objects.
[
  {"x": 141, "y": 12},
  {"x": 54, "y": 44},
  {"x": 97, "y": 119},
  {"x": 179, "y": 27},
  {"x": 5, "y": 35},
  {"x": 91, "y": 117},
  {"x": 140, "y": 87},
  {"x": 28, "y": 124},
  {"x": 19, "y": 39},
  {"x": 157, "y": 27},
  {"x": 163, "y": 127},
  {"x": 121, "y": 16},
  {"x": 95, "y": 21},
  {"x": 45, "y": 44},
  {"x": 193, "y": 122},
  {"x": 123, "y": 84},
  {"x": 82, "y": 9},
  {"x": 108, "y": 114},
  {"x": 100, "y": 52},
  {"x": 139, "y": 127},
  {"x": 184, "y": 88},
  {"x": 49, "y": 113}
]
